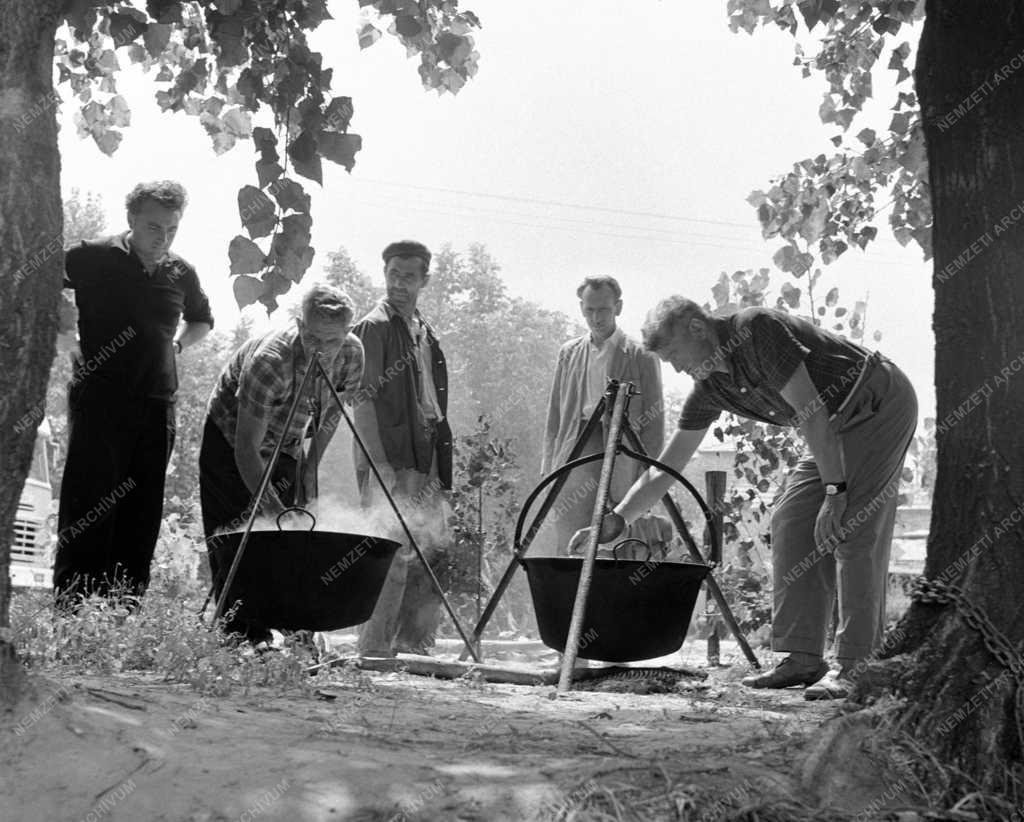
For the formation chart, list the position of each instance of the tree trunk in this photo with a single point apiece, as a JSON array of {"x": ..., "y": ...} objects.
[
  {"x": 961, "y": 698},
  {"x": 31, "y": 262}
]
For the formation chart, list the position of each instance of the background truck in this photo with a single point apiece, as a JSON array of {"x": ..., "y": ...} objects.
[{"x": 32, "y": 546}]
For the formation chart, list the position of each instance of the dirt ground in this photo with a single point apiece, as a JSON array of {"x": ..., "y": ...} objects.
[{"x": 394, "y": 746}]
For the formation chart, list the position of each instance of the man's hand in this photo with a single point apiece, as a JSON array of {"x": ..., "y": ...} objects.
[
  {"x": 611, "y": 528},
  {"x": 828, "y": 527}
]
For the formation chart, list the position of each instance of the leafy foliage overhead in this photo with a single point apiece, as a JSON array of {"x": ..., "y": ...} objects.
[
  {"x": 222, "y": 61},
  {"x": 827, "y": 204}
]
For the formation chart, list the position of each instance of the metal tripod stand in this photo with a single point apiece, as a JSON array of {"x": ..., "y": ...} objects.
[
  {"x": 316, "y": 371},
  {"x": 619, "y": 427}
]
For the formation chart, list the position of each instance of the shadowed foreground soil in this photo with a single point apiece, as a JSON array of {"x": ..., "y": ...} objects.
[{"x": 393, "y": 746}]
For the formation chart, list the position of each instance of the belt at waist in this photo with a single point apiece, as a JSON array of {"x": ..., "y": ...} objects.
[{"x": 869, "y": 364}]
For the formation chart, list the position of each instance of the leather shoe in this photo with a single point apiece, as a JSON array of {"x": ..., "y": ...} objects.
[
  {"x": 787, "y": 674},
  {"x": 834, "y": 686}
]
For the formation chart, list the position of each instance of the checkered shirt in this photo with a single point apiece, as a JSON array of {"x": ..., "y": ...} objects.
[
  {"x": 763, "y": 347},
  {"x": 263, "y": 376}
]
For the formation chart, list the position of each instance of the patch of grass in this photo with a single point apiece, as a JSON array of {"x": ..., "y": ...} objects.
[{"x": 165, "y": 637}]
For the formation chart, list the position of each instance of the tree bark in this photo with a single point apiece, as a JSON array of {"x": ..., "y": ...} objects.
[
  {"x": 960, "y": 698},
  {"x": 31, "y": 262}
]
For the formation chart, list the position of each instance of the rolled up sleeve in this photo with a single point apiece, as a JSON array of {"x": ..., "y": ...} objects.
[
  {"x": 699, "y": 410},
  {"x": 197, "y": 304}
]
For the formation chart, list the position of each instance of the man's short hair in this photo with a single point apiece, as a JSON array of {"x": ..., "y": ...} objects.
[
  {"x": 600, "y": 282},
  {"x": 406, "y": 249},
  {"x": 666, "y": 317},
  {"x": 325, "y": 302},
  {"x": 166, "y": 193}
]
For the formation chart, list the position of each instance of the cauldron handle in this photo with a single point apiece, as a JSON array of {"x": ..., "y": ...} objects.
[
  {"x": 617, "y": 545},
  {"x": 301, "y": 511}
]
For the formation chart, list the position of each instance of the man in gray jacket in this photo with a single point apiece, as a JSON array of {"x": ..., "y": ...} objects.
[{"x": 585, "y": 365}]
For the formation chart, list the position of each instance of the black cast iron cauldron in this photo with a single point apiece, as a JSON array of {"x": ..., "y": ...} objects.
[
  {"x": 313, "y": 580},
  {"x": 635, "y": 610}
]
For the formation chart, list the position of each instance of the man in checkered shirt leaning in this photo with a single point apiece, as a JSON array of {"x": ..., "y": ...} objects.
[
  {"x": 246, "y": 415},
  {"x": 831, "y": 528}
]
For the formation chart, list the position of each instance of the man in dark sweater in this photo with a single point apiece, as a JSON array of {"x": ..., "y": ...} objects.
[
  {"x": 131, "y": 293},
  {"x": 401, "y": 416},
  {"x": 832, "y": 526}
]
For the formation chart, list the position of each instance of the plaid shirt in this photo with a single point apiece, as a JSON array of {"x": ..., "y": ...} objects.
[
  {"x": 264, "y": 375},
  {"x": 762, "y": 348}
]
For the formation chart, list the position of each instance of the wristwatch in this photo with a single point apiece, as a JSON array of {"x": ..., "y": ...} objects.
[
  {"x": 833, "y": 488},
  {"x": 177, "y": 345}
]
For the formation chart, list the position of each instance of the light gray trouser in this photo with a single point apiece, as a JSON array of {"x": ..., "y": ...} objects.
[
  {"x": 408, "y": 610},
  {"x": 574, "y": 506},
  {"x": 874, "y": 428}
]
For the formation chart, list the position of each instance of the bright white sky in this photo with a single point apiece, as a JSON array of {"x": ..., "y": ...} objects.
[{"x": 649, "y": 106}]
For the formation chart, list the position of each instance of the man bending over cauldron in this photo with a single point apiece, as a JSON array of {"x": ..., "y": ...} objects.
[
  {"x": 401, "y": 416},
  {"x": 832, "y": 525},
  {"x": 247, "y": 411}
]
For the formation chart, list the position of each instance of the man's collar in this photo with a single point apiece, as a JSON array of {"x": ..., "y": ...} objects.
[
  {"x": 614, "y": 339},
  {"x": 121, "y": 241},
  {"x": 724, "y": 330}
]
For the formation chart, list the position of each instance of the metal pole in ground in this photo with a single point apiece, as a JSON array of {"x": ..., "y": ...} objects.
[
  {"x": 579, "y": 607},
  {"x": 714, "y": 493}
]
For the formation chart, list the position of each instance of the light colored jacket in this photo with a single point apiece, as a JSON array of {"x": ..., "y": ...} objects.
[{"x": 629, "y": 362}]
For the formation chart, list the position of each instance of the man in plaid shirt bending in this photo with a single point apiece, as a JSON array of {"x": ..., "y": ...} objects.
[
  {"x": 247, "y": 411},
  {"x": 831, "y": 528}
]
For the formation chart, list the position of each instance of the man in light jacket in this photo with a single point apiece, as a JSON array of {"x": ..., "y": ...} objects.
[{"x": 585, "y": 365}]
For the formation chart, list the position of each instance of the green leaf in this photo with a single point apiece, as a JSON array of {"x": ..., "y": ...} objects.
[
  {"x": 126, "y": 26},
  {"x": 81, "y": 16},
  {"x": 156, "y": 38},
  {"x": 368, "y": 35},
  {"x": 229, "y": 35},
  {"x": 832, "y": 297},
  {"x": 247, "y": 290},
  {"x": 267, "y": 172},
  {"x": 791, "y": 295},
  {"x": 118, "y": 112},
  {"x": 305, "y": 159},
  {"x": 408, "y": 26},
  {"x": 256, "y": 211},
  {"x": 237, "y": 122},
  {"x": 338, "y": 114},
  {"x": 246, "y": 257},
  {"x": 290, "y": 195},
  {"x": 866, "y": 136},
  {"x": 164, "y": 11},
  {"x": 339, "y": 148}
]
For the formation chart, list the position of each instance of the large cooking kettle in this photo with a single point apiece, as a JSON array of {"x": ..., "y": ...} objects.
[{"x": 314, "y": 580}]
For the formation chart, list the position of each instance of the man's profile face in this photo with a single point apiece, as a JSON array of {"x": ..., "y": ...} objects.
[
  {"x": 690, "y": 349},
  {"x": 600, "y": 308},
  {"x": 323, "y": 336},
  {"x": 405, "y": 278},
  {"x": 152, "y": 230}
]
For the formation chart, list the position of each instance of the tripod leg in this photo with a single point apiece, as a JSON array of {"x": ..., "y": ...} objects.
[
  {"x": 680, "y": 525},
  {"x": 579, "y": 608}
]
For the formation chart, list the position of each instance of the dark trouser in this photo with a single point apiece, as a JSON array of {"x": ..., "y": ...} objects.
[
  {"x": 225, "y": 500},
  {"x": 112, "y": 493}
]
